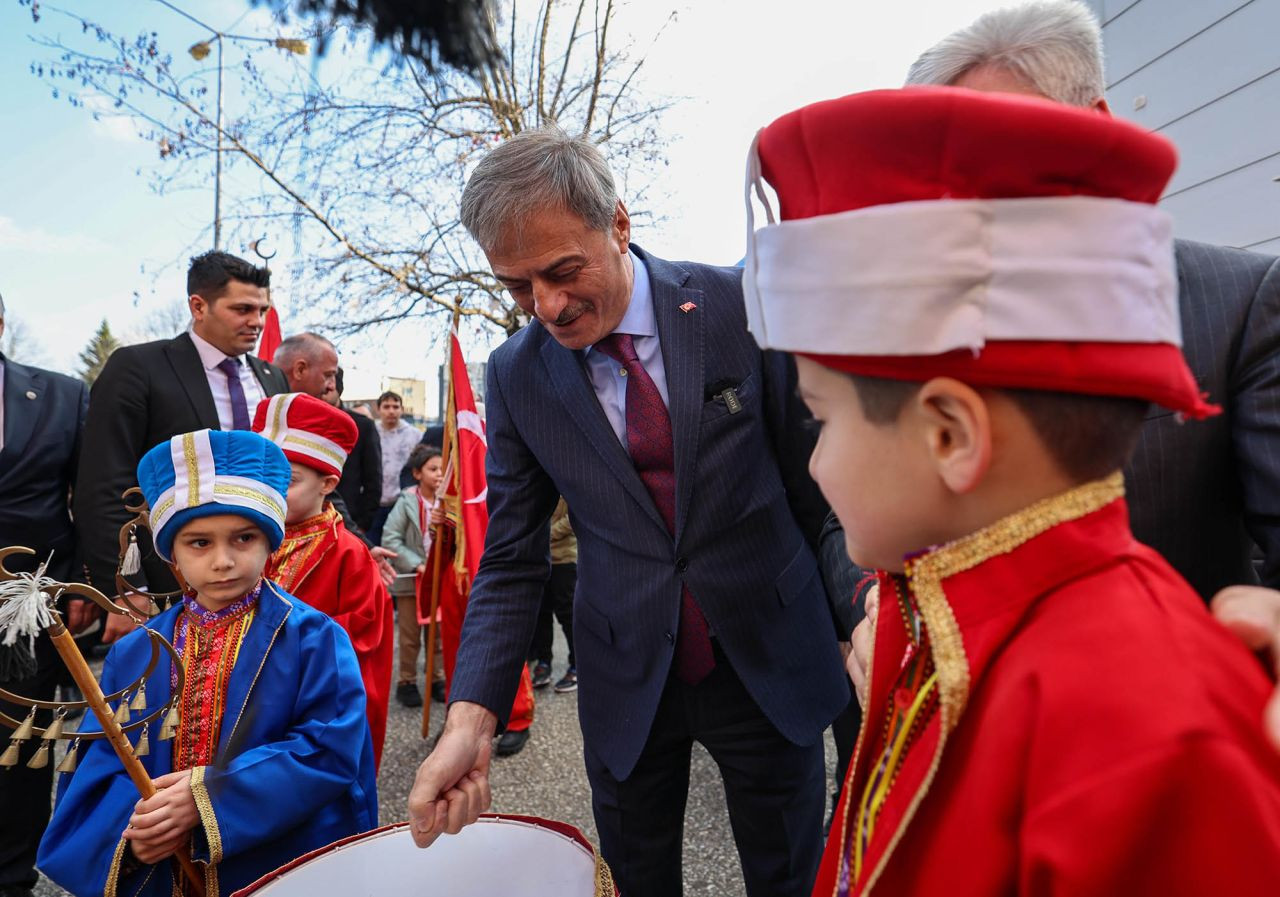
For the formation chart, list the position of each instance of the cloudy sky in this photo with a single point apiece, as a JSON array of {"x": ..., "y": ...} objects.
[{"x": 83, "y": 236}]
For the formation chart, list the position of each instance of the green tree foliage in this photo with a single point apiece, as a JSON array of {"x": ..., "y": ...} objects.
[{"x": 93, "y": 357}]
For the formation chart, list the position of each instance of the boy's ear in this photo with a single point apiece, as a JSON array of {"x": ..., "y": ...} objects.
[
  {"x": 328, "y": 483},
  {"x": 956, "y": 425}
]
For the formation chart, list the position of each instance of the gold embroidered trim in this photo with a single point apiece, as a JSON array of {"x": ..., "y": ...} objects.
[
  {"x": 246, "y": 492},
  {"x": 277, "y": 412},
  {"x": 113, "y": 873},
  {"x": 193, "y": 469},
  {"x": 160, "y": 509},
  {"x": 294, "y": 439},
  {"x": 604, "y": 879},
  {"x": 926, "y": 575},
  {"x": 208, "y": 818},
  {"x": 247, "y": 695}
]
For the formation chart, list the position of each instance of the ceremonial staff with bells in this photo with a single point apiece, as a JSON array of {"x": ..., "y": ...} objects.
[{"x": 27, "y": 606}]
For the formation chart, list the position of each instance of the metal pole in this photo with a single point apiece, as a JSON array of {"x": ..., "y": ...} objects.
[{"x": 217, "y": 171}]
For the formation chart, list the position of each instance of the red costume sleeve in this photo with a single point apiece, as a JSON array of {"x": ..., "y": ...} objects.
[
  {"x": 364, "y": 611},
  {"x": 1158, "y": 825}
]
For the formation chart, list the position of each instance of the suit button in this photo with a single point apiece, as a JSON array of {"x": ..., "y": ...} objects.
[
  {"x": 671, "y": 639},
  {"x": 682, "y": 564}
]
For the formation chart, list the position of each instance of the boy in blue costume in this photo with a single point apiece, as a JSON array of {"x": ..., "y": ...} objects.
[{"x": 272, "y": 756}]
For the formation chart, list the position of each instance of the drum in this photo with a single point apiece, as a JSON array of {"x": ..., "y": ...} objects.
[{"x": 498, "y": 854}]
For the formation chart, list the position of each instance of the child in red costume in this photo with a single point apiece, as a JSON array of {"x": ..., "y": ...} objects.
[
  {"x": 319, "y": 561},
  {"x": 981, "y": 296}
]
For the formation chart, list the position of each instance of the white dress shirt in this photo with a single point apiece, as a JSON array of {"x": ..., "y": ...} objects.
[
  {"x": 606, "y": 375},
  {"x": 210, "y": 357}
]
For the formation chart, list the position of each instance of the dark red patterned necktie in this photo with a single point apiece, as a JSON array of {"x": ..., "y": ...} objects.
[{"x": 653, "y": 453}]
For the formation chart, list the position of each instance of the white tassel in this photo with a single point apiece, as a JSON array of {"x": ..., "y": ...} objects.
[
  {"x": 25, "y": 606},
  {"x": 132, "y": 562}
]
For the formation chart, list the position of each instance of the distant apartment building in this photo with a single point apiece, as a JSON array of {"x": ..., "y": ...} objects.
[
  {"x": 413, "y": 394},
  {"x": 475, "y": 372},
  {"x": 1206, "y": 74}
]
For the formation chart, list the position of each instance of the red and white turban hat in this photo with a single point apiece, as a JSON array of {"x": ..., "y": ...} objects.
[
  {"x": 308, "y": 430},
  {"x": 1002, "y": 240}
]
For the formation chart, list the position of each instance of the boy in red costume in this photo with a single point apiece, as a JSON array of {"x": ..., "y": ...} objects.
[
  {"x": 319, "y": 561},
  {"x": 981, "y": 296}
]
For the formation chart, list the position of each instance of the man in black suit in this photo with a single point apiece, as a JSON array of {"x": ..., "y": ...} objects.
[
  {"x": 41, "y": 417},
  {"x": 146, "y": 394}
]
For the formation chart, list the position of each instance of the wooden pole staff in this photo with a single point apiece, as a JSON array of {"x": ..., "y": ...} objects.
[{"x": 88, "y": 685}]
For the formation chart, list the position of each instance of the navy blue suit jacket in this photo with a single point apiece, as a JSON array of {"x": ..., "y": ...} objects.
[
  {"x": 746, "y": 517},
  {"x": 1204, "y": 493},
  {"x": 44, "y": 414}
]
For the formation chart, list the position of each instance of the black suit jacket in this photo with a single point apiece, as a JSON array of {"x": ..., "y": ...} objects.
[
  {"x": 44, "y": 415},
  {"x": 361, "y": 483},
  {"x": 145, "y": 395},
  {"x": 1202, "y": 493},
  {"x": 747, "y": 523}
]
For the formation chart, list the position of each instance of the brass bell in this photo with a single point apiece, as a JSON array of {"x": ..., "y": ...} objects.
[
  {"x": 40, "y": 759},
  {"x": 170, "y": 726},
  {"x": 122, "y": 712},
  {"x": 10, "y": 755},
  {"x": 144, "y": 745},
  {"x": 139, "y": 701},
  {"x": 68, "y": 763},
  {"x": 27, "y": 729},
  {"x": 54, "y": 730}
]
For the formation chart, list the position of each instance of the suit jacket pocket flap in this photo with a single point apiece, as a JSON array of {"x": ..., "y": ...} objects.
[
  {"x": 797, "y": 576},
  {"x": 587, "y": 617}
]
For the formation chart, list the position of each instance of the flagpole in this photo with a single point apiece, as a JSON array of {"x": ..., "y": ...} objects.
[{"x": 437, "y": 550}]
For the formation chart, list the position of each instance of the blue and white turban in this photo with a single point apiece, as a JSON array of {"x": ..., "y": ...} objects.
[{"x": 211, "y": 472}]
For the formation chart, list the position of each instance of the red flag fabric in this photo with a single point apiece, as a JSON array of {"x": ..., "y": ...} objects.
[
  {"x": 466, "y": 496},
  {"x": 270, "y": 336}
]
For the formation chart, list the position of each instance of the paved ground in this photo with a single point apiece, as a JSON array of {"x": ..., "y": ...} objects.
[{"x": 548, "y": 779}]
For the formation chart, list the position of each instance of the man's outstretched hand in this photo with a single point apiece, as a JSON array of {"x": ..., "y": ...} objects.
[
  {"x": 1253, "y": 614},
  {"x": 452, "y": 786}
]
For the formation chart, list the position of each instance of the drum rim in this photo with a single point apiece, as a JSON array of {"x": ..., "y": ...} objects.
[{"x": 603, "y": 876}]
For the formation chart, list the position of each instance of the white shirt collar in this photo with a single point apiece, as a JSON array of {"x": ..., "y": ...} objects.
[
  {"x": 210, "y": 355},
  {"x": 639, "y": 319}
]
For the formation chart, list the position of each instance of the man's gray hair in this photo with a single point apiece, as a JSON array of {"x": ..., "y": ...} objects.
[
  {"x": 539, "y": 169},
  {"x": 1, "y": 308},
  {"x": 1055, "y": 46},
  {"x": 306, "y": 345}
]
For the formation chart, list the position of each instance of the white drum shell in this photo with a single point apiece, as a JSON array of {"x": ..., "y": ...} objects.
[{"x": 492, "y": 856}]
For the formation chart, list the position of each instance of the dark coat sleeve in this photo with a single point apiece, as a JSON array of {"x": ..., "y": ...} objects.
[
  {"x": 793, "y": 438},
  {"x": 115, "y": 434},
  {"x": 507, "y": 592},
  {"x": 1255, "y": 422},
  {"x": 370, "y": 473}
]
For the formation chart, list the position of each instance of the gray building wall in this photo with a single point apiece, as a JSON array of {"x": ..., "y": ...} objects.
[{"x": 1206, "y": 74}]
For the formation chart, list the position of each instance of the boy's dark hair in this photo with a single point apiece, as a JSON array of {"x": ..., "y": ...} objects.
[
  {"x": 209, "y": 274},
  {"x": 1088, "y": 436},
  {"x": 421, "y": 454},
  {"x": 388, "y": 396}
]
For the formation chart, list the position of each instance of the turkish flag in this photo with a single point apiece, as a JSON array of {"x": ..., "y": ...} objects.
[
  {"x": 466, "y": 495},
  {"x": 270, "y": 336}
]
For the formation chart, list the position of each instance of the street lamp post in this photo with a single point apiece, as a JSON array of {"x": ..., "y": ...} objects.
[{"x": 198, "y": 52}]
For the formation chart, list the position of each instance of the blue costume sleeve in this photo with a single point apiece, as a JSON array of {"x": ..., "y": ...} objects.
[
  {"x": 83, "y": 846},
  {"x": 272, "y": 788}
]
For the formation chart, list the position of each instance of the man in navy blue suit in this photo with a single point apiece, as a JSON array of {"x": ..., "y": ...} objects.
[
  {"x": 638, "y": 394},
  {"x": 41, "y": 416}
]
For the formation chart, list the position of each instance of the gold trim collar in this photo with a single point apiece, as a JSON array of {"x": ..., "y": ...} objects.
[{"x": 927, "y": 572}]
